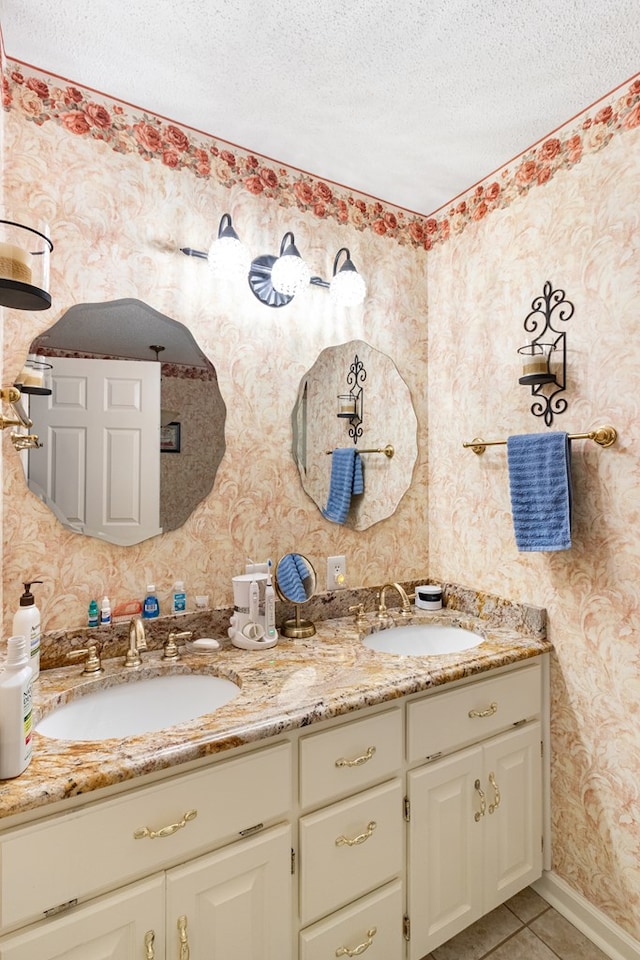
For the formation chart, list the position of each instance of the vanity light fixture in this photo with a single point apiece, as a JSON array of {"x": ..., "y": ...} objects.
[
  {"x": 546, "y": 383},
  {"x": 24, "y": 267},
  {"x": 275, "y": 281}
]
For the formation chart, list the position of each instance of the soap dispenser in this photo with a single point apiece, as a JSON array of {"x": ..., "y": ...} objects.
[{"x": 26, "y": 623}]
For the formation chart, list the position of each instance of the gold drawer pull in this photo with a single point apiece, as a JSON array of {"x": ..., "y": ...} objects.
[
  {"x": 358, "y": 761},
  {"x": 496, "y": 793},
  {"x": 359, "y": 950},
  {"x": 149, "y": 939},
  {"x": 489, "y": 712},
  {"x": 483, "y": 803},
  {"x": 341, "y": 841},
  {"x": 165, "y": 831},
  {"x": 184, "y": 938}
]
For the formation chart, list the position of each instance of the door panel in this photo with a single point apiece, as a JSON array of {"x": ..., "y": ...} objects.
[
  {"x": 115, "y": 927},
  {"x": 235, "y": 903},
  {"x": 444, "y": 850}
]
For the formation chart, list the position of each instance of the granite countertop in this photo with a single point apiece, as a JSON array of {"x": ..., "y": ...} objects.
[{"x": 291, "y": 685}]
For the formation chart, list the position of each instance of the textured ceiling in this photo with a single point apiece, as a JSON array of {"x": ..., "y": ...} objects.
[{"x": 409, "y": 102}]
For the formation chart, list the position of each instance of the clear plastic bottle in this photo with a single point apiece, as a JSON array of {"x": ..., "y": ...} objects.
[
  {"x": 179, "y": 597},
  {"x": 16, "y": 686},
  {"x": 151, "y": 607},
  {"x": 26, "y": 623},
  {"x": 105, "y": 611}
]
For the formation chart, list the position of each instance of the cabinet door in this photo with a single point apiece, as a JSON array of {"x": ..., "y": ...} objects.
[
  {"x": 444, "y": 850},
  {"x": 513, "y": 823},
  {"x": 235, "y": 903},
  {"x": 127, "y": 925}
]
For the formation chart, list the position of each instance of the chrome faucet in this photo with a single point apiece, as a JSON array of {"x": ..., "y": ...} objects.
[
  {"x": 406, "y": 605},
  {"x": 137, "y": 642}
]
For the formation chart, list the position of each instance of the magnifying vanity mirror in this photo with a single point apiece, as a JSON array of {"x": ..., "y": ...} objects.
[
  {"x": 295, "y": 580},
  {"x": 132, "y": 425},
  {"x": 353, "y": 395}
]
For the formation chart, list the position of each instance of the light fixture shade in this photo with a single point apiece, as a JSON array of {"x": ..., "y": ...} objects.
[
  {"x": 228, "y": 256},
  {"x": 290, "y": 274},
  {"x": 347, "y": 288}
]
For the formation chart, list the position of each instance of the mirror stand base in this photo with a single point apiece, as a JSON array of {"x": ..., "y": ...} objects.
[{"x": 297, "y": 629}]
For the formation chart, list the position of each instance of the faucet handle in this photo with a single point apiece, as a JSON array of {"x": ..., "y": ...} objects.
[
  {"x": 361, "y": 620},
  {"x": 91, "y": 656},
  {"x": 171, "y": 647}
]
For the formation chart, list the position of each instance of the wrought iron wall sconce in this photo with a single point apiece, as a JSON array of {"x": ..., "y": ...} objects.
[
  {"x": 544, "y": 359},
  {"x": 19, "y": 418},
  {"x": 24, "y": 267},
  {"x": 351, "y": 405},
  {"x": 275, "y": 281}
]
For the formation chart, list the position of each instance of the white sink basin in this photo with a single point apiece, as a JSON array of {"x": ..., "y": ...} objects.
[
  {"x": 422, "y": 640},
  {"x": 139, "y": 706}
]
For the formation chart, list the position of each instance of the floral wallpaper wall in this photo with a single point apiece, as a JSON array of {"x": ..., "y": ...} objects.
[
  {"x": 123, "y": 191},
  {"x": 579, "y": 230}
]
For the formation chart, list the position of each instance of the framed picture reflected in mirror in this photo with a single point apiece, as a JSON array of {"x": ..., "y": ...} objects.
[{"x": 170, "y": 438}]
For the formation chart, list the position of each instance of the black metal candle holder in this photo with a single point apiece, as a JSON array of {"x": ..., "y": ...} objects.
[{"x": 546, "y": 382}]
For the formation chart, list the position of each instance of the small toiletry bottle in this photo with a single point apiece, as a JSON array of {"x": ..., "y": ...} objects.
[
  {"x": 93, "y": 617},
  {"x": 151, "y": 607},
  {"x": 105, "y": 611},
  {"x": 179, "y": 597},
  {"x": 26, "y": 623},
  {"x": 269, "y": 607},
  {"x": 16, "y": 687}
]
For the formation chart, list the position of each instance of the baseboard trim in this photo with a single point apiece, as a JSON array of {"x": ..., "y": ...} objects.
[{"x": 602, "y": 931}]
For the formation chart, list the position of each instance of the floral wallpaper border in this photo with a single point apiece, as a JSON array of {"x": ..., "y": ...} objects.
[{"x": 42, "y": 98}]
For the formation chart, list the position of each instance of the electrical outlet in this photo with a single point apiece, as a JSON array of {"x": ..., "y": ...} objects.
[{"x": 336, "y": 573}]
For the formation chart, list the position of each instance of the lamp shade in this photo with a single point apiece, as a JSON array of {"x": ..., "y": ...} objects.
[
  {"x": 228, "y": 256},
  {"x": 347, "y": 288},
  {"x": 289, "y": 274}
]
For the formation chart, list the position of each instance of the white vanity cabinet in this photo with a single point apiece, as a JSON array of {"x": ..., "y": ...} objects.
[
  {"x": 385, "y": 831},
  {"x": 475, "y": 814},
  {"x": 234, "y": 901}
]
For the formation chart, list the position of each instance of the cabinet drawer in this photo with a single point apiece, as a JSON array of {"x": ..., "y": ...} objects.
[
  {"x": 350, "y": 757},
  {"x": 350, "y": 848},
  {"x": 88, "y": 851},
  {"x": 373, "y": 924},
  {"x": 445, "y": 721}
]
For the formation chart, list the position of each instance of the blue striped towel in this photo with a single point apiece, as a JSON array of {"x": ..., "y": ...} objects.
[
  {"x": 346, "y": 479},
  {"x": 292, "y": 572},
  {"x": 540, "y": 487}
]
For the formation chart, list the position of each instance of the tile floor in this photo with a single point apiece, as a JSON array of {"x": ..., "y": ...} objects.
[{"x": 523, "y": 928}]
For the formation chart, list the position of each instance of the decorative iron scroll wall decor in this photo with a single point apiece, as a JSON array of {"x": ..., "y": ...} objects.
[
  {"x": 546, "y": 382},
  {"x": 351, "y": 405}
]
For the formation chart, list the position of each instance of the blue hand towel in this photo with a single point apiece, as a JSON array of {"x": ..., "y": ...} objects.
[
  {"x": 292, "y": 571},
  {"x": 346, "y": 479},
  {"x": 540, "y": 487}
]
